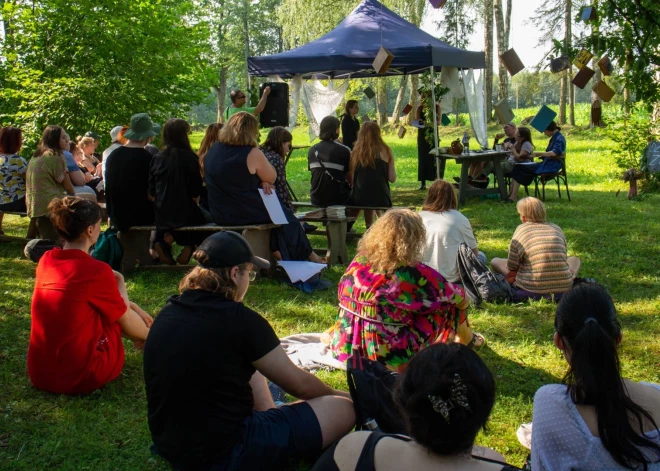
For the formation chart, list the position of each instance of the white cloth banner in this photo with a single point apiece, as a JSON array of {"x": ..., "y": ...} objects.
[
  {"x": 319, "y": 101},
  {"x": 474, "y": 94},
  {"x": 450, "y": 79}
]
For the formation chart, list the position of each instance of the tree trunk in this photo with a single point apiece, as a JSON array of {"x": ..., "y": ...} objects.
[
  {"x": 246, "y": 38},
  {"x": 502, "y": 46},
  {"x": 626, "y": 89},
  {"x": 655, "y": 118},
  {"x": 596, "y": 103},
  {"x": 221, "y": 93},
  {"x": 381, "y": 98},
  {"x": 398, "y": 105},
  {"x": 488, "y": 49},
  {"x": 562, "y": 97},
  {"x": 414, "y": 98}
]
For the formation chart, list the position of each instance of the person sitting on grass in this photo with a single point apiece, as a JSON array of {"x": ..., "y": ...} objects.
[
  {"x": 175, "y": 182},
  {"x": 445, "y": 396},
  {"x": 538, "y": 265},
  {"x": 596, "y": 419},
  {"x": 47, "y": 179},
  {"x": 552, "y": 161},
  {"x": 371, "y": 171},
  {"x": 390, "y": 304},
  {"x": 446, "y": 230},
  {"x": 80, "y": 309},
  {"x": 234, "y": 170},
  {"x": 13, "y": 168},
  {"x": 205, "y": 367}
]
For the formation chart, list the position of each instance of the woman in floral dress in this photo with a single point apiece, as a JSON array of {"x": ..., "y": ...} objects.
[
  {"x": 390, "y": 304},
  {"x": 277, "y": 145}
]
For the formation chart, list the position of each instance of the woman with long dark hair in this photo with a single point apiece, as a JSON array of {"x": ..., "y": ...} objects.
[
  {"x": 175, "y": 182},
  {"x": 371, "y": 170},
  {"x": 211, "y": 136},
  {"x": 596, "y": 419},
  {"x": 350, "y": 124},
  {"x": 277, "y": 145}
]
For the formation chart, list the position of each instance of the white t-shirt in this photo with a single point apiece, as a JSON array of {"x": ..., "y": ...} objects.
[{"x": 445, "y": 232}]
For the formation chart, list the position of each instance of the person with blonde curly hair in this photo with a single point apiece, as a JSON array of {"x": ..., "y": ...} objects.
[{"x": 390, "y": 304}]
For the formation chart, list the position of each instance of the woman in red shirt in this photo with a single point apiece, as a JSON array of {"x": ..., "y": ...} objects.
[{"x": 80, "y": 309}]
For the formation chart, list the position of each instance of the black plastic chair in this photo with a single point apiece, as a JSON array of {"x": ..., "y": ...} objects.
[{"x": 559, "y": 177}]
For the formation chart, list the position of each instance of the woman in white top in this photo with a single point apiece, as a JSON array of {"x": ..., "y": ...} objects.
[
  {"x": 596, "y": 420},
  {"x": 446, "y": 230}
]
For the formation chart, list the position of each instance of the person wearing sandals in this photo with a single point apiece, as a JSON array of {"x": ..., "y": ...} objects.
[
  {"x": 390, "y": 304},
  {"x": 596, "y": 419},
  {"x": 445, "y": 396},
  {"x": 538, "y": 265},
  {"x": 175, "y": 182},
  {"x": 205, "y": 367}
]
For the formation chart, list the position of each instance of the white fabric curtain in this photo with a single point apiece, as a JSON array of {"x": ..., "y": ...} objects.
[
  {"x": 474, "y": 93},
  {"x": 319, "y": 101},
  {"x": 450, "y": 79}
]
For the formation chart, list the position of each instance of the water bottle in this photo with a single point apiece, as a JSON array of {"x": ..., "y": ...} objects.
[{"x": 466, "y": 143}]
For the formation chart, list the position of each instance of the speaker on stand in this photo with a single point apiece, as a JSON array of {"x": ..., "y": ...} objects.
[{"x": 276, "y": 112}]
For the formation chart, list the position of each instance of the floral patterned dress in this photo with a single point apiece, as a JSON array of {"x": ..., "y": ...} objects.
[
  {"x": 281, "y": 188},
  {"x": 390, "y": 317}
]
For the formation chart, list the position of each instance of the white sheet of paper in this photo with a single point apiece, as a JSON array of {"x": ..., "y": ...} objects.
[
  {"x": 526, "y": 163},
  {"x": 273, "y": 207},
  {"x": 301, "y": 271}
]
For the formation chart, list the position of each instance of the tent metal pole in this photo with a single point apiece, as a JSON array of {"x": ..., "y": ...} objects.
[{"x": 440, "y": 173}]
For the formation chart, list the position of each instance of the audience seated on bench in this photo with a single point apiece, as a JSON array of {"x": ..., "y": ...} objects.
[
  {"x": 538, "y": 265},
  {"x": 205, "y": 365},
  {"x": 234, "y": 170},
  {"x": 80, "y": 308},
  {"x": 328, "y": 162},
  {"x": 390, "y": 304},
  {"x": 445, "y": 395},
  {"x": 175, "y": 183},
  {"x": 596, "y": 419},
  {"x": 13, "y": 169}
]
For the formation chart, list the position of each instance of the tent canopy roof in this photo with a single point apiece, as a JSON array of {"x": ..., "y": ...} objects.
[{"x": 349, "y": 49}]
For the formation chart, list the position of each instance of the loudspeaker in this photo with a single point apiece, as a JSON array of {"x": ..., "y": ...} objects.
[{"x": 276, "y": 112}]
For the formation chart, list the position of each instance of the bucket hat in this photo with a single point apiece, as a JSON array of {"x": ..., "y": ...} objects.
[{"x": 141, "y": 127}]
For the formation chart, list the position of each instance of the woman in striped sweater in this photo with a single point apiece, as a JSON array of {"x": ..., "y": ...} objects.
[{"x": 538, "y": 265}]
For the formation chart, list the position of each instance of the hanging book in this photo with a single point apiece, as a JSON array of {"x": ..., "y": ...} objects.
[
  {"x": 369, "y": 92},
  {"x": 437, "y": 3},
  {"x": 382, "y": 61},
  {"x": 512, "y": 62},
  {"x": 582, "y": 59},
  {"x": 606, "y": 66},
  {"x": 402, "y": 132},
  {"x": 603, "y": 91},
  {"x": 543, "y": 118},
  {"x": 588, "y": 14},
  {"x": 407, "y": 109},
  {"x": 445, "y": 120},
  {"x": 582, "y": 78},
  {"x": 382, "y": 109},
  {"x": 503, "y": 111},
  {"x": 559, "y": 64}
]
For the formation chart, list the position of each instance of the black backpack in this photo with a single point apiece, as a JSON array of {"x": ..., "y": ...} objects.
[
  {"x": 372, "y": 386},
  {"x": 479, "y": 282}
]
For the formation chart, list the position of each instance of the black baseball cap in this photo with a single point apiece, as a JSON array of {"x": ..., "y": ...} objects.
[{"x": 229, "y": 249}]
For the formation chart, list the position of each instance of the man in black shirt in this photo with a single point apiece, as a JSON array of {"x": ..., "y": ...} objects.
[
  {"x": 478, "y": 173},
  {"x": 328, "y": 161},
  {"x": 204, "y": 365}
]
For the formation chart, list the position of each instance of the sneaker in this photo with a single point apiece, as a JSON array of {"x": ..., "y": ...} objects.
[{"x": 164, "y": 252}]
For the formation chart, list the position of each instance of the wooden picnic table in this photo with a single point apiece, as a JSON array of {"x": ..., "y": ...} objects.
[
  {"x": 286, "y": 161},
  {"x": 465, "y": 160}
]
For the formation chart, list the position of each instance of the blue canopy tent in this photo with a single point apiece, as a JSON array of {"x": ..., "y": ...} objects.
[{"x": 349, "y": 50}]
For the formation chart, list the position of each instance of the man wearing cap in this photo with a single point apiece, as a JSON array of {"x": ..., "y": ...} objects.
[
  {"x": 206, "y": 361},
  {"x": 238, "y": 101},
  {"x": 478, "y": 173},
  {"x": 127, "y": 177}
]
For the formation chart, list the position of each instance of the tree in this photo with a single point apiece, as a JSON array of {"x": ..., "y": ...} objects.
[
  {"x": 90, "y": 65},
  {"x": 503, "y": 24},
  {"x": 488, "y": 48}
]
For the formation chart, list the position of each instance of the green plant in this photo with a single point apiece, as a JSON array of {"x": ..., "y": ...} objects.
[
  {"x": 633, "y": 138},
  {"x": 426, "y": 89}
]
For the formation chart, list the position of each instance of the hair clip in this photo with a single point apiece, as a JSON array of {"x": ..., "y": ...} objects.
[{"x": 457, "y": 398}]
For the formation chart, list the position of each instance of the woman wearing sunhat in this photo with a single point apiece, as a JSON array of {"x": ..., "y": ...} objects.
[
  {"x": 206, "y": 361},
  {"x": 127, "y": 177}
]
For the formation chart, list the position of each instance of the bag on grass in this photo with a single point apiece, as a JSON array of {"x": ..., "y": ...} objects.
[
  {"x": 479, "y": 282},
  {"x": 372, "y": 386},
  {"x": 108, "y": 249}
]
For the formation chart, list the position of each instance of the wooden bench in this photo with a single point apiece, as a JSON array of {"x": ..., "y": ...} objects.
[
  {"x": 8, "y": 238},
  {"x": 135, "y": 243},
  {"x": 335, "y": 229}
]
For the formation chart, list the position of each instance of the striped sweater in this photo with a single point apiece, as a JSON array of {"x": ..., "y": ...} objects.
[{"x": 538, "y": 255}]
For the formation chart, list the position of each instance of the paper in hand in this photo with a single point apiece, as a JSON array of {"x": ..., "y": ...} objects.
[{"x": 273, "y": 207}]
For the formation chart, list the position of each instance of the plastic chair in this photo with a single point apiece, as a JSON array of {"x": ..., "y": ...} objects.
[{"x": 559, "y": 177}]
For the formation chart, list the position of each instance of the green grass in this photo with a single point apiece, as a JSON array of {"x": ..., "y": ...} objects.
[{"x": 616, "y": 239}]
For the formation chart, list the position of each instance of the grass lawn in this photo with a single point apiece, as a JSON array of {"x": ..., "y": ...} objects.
[{"x": 616, "y": 239}]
